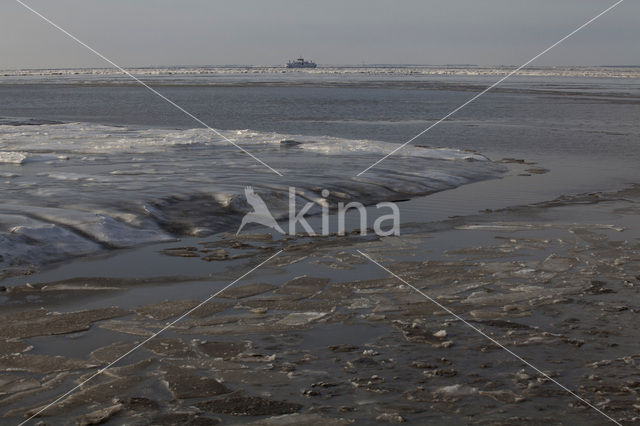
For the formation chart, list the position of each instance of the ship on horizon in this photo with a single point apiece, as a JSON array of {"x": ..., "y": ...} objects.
[{"x": 301, "y": 63}]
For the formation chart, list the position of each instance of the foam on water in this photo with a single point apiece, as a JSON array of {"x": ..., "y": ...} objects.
[{"x": 97, "y": 187}]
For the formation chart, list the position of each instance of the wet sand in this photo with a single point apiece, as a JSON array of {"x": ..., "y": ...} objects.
[{"x": 322, "y": 335}]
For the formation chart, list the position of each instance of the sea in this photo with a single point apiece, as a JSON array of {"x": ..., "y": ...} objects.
[{"x": 91, "y": 161}]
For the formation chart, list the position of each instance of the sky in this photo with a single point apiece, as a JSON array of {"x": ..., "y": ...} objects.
[{"x": 270, "y": 32}]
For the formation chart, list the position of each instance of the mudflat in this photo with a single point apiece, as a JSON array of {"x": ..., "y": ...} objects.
[{"x": 346, "y": 341}]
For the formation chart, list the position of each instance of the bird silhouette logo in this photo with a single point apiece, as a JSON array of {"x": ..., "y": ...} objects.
[{"x": 260, "y": 213}]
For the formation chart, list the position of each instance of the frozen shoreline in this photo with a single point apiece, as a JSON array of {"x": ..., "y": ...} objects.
[
  {"x": 96, "y": 187},
  {"x": 321, "y": 335},
  {"x": 555, "y": 281}
]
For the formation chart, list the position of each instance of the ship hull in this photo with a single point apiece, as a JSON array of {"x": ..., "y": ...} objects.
[
  {"x": 301, "y": 66},
  {"x": 300, "y": 63}
]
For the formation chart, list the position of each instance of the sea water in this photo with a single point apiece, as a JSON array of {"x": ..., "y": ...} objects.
[{"x": 89, "y": 161}]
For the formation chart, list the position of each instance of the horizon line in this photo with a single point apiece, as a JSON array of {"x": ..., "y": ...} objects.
[{"x": 327, "y": 65}]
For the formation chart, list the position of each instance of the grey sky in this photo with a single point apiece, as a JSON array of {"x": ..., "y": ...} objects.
[{"x": 266, "y": 32}]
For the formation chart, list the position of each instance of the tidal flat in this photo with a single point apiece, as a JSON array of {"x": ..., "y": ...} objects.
[{"x": 321, "y": 334}]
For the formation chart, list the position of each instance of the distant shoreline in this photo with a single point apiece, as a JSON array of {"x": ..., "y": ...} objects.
[
  {"x": 330, "y": 65},
  {"x": 606, "y": 71}
]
